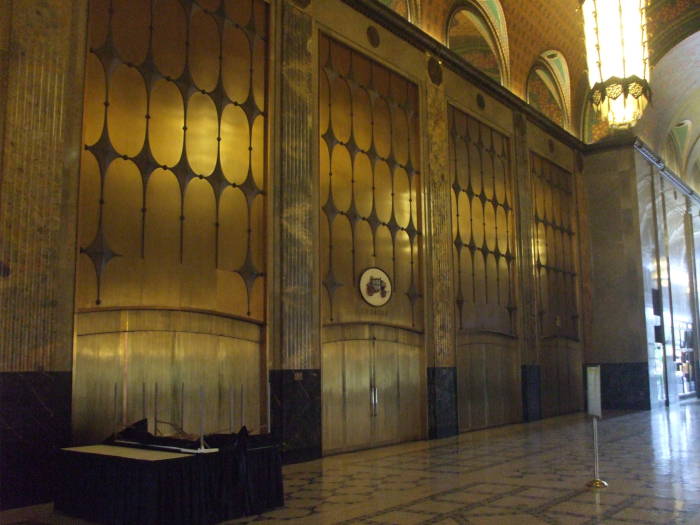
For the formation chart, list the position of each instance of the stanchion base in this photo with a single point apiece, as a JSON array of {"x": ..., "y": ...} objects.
[{"x": 597, "y": 484}]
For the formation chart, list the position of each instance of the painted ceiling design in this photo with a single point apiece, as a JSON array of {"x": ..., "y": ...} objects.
[
  {"x": 671, "y": 123},
  {"x": 537, "y": 25}
]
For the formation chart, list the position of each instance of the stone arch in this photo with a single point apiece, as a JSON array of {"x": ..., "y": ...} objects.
[
  {"x": 548, "y": 87},
  {"x": 477, "y": 31},
  {"x": 409, "y": 9}
]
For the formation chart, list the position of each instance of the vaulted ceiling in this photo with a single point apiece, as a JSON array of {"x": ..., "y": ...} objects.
[
  {"x": 671, "y": 123},
  {"x": 534, "y": 26}
]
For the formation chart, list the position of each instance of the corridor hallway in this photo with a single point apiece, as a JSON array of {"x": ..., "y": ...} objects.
[{"x": 520, "y": 474}]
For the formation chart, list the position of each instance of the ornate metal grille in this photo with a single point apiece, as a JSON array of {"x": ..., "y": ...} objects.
[
  {"x": 370, "y": 185},
  {"x": 554, "y": 250},
  {"x": 173, "y": 172},
  {"x": 482, "y": 225}
]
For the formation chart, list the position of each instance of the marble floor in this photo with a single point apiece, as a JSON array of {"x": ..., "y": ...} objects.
[
  {"x": 521, "y": 474},
  {"x": 524, "y": 474}
]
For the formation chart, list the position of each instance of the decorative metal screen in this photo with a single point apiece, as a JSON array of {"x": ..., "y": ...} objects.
[
  {"x": 173, "y": 172},
  {"x": 482, "y": 225},
  {"x": 554, "y": 249},
  {"x": 370, "y": 185}
]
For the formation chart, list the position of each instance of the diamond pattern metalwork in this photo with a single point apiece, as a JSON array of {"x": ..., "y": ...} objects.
[
  {"x": 484, "y": 164},
  {"x": 352, "y": 74},
  {"x": 104, "y": 151},
  {"x": 554, "y": 241}
]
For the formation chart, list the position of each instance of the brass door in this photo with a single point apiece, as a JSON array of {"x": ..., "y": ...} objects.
[
  {"x": 385, "y": 383},
  {"x": 357, "y": 396},
  {"x": 371, "y": 394}
]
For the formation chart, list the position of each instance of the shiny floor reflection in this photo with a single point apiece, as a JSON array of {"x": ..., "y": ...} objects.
[{"x": 520, "y": 474}]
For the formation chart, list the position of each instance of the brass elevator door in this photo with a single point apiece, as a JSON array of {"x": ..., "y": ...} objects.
[
  {"x": 371, "y": 394},
  {"x": 358, "y": 414},
  {"x": 386, "y": 387}
]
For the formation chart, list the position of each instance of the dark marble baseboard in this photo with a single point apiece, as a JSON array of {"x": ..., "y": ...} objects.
[
  {"x": 532, "y": 392},
  {"x": 296, "y": 413},
  {"x": 34, "y": 424},
  {"x": 442, "y": 402},
  {"x": 624, "y": 386}
]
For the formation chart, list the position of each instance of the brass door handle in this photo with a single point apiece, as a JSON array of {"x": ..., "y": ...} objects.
[{"x": 374, "y": 399}]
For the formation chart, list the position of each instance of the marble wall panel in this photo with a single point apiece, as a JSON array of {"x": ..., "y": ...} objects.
[
  {"x": 295, "y": 405},
  {"x": 36, "y": 411},
  {"x": 442, "y": 406}
]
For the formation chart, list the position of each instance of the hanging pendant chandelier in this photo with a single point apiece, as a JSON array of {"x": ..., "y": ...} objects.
[{"x": 618, "y": 64}]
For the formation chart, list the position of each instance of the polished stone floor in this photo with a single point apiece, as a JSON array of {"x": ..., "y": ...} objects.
[{"x": 521, "y": 474}]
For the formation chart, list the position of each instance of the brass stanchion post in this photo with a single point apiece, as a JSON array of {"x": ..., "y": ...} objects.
[{"x": 596, "y": 482}]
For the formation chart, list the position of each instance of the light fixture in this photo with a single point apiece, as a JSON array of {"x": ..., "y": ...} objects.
[{"x": 618, "y": 64}]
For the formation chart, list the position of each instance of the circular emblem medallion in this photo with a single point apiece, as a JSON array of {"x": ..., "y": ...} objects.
[
  {"x": 373, "y": 36},
  {"x": 375, "y": 287},
  {"x": 435, "y": 71}
]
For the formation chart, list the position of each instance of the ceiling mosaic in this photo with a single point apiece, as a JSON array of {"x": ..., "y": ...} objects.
[{"x": 539, "y": 25}]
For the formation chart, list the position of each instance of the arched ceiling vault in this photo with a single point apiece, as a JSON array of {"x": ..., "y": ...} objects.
[{"x": 675, "y": 85}]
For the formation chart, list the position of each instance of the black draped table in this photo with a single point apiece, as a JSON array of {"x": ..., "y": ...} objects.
[{"x": 119, "y": 485}]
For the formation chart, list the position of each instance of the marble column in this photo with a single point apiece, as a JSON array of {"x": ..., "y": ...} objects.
[
  {"x": 440, "y": 301},
  {"x": 295, "y": 378},
  {"x": 527, "y": 319},
  {"x": 42, "y": 56}
]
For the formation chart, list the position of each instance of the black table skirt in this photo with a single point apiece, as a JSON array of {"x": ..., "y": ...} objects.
[{"x": 197, "y": 489}]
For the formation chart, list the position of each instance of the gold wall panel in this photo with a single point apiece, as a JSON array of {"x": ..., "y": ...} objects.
[
  {"x": 123, "y": 195},
  {"x": 191, "y": 111},
  {"x": 88, "y": 207},
  {"x": 126, "y": 113},
  {"x": 86, "y": 288},
  {"x": 169, "y": 37},
  {"x": 130, "y": 29},
  {"x": 165, "y": 133},
  {"x": 239, "y": 12},
  {"x": 370, "y": 187},
  {"x": 204, "y": 50},
  {"x": 161, "y": 277},
  {"x": 121, "y": 282},
  {"x": 235, "y": 162},
  {"x": 202, "y": 131},
  {"x": 199, "y": 225},
  {"x": 362, "y": 187},
  {"x": 236, "y": 63},
  {"x": 233, "y": 223},
  {"x": 95, "y": 95},
  {"x": 172, "y": 211},
  {"x": 137, "y": 349},
  {"x": 554, "y": 248},
  {"x": 98, "y": 22},
  {"x": 482, "y": 225},
  {"x": 257, "y": 155}
]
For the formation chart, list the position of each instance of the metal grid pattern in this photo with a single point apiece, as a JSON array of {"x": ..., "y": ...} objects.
[
  {"x": 554, "y": 250},
  {"x": 482, "y": 225},
  {"x": 173, "y": 172},
  {"x": 370, "y": 185}
]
